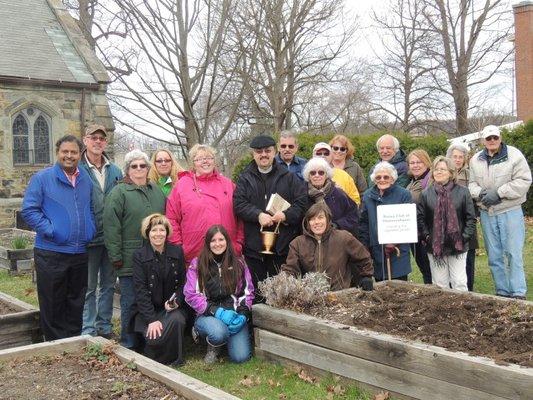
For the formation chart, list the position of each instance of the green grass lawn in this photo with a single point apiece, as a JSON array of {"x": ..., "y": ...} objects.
[{"x": 259, "y": 379}]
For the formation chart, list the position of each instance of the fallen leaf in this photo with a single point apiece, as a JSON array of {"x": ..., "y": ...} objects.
[
  {"x": 305, "y": 377},
  {"x": 382, "y": 396},
  {"x": 282, "y": 396},
  {"x": 246, "y": 381},
  {"x": 271, "y": 383}
]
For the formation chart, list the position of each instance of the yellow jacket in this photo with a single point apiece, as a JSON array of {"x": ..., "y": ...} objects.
[{"x": 344, "y": 181}]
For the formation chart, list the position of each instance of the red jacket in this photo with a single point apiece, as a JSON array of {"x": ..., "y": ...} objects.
[{"x": 195, "y": 204}]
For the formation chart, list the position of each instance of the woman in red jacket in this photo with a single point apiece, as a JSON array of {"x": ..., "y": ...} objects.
[{"x": 202, "y": 198}]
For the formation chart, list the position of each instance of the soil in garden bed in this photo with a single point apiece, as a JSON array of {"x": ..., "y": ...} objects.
[
  {"x": 78, "y": 376},
  {"x": 501, "y": 330},
  {"x": 6, "y": 308}
]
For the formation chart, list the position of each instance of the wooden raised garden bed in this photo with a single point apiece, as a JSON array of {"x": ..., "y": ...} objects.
[
  {"x": 410, "y": 369},
  {"x": 44, "y": 354},
  {"x": 19, "y": 322},
  {"x": 16, "y": 259}
]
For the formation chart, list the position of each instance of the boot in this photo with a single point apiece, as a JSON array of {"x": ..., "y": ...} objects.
[{"x": 212, "y": 354}]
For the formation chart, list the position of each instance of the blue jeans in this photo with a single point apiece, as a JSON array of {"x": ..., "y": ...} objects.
[
  {"x": 98, "y": 309},
  {"x": 217, "y": 334},
  {"x": 127, "y": 298},
  {"x": 504, "y": 236}
]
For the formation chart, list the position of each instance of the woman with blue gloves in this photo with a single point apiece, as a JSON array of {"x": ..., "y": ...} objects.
[{"x": 219, "y": 288}]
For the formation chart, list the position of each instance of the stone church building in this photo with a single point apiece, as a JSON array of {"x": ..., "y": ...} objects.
[{"x": 51, "y": 84}]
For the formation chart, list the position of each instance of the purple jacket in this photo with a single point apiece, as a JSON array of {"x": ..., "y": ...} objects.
[{"x": 203, "y": 303}]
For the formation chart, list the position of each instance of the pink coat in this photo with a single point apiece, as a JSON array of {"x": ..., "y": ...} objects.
[{"x": 195, "y": 204}]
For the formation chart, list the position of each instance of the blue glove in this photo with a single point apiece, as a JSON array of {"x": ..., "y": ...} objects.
[
  {"x": 491, "y": 198},
  {"x": 237, "y": 324},
  {"x": 226, "y": 316}
]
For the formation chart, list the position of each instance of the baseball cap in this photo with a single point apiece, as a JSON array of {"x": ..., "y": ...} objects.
[
  {"x": 490, "y": 130},
  {"x": 95, "y": 128},
  {"x": 320, "y": 146}
]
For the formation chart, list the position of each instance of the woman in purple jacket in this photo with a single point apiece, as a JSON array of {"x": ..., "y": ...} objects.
[
  {"x": 317, "y": 173},
  {"x": 219, "y": 288}
]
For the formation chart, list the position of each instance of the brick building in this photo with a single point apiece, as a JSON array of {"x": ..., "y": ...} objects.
[
  {"x": 51, "y": 84},
  {"x": 523, "y": 17}
]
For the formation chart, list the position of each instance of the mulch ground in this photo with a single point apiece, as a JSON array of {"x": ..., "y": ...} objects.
[
  {"x": 501, "y": 330},
  {"x": 6, "y": 308},
  {"x": 73, "y": 376}
]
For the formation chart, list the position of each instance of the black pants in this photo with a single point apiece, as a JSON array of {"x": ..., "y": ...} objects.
[
  {"x": 168, "y": 347},
  {"x": 422, "y": 260},
  {"x": 470, "y": 268},
  {"x": 61, "y": 288},
  {"x": 260, "y": 269}
]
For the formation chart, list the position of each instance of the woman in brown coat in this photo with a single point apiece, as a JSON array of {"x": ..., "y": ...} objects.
[{"x": 322, "y": 248}]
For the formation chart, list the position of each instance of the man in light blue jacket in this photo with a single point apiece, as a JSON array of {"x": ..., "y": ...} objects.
[
  {"x": 104, "y": 174},
  {"x": 58, "y": 206},
  {"x": 499, "y": 181}
]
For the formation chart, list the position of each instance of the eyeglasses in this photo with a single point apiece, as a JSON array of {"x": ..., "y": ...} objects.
[
  {"x": 337, "y": 148},
  {"x": 266, "y": 150},
  {"x": 319, "y": 172},
  {"x": 137, "y": 166},
  {"x": 203, "y": 159},
  {"x": 324, "y": 153},
  {"x": 163, "y": 161},
  {"x": 382, "y": 177},
  {"x": 284, "y": 146},
  {"x": 492, "y": 138},
  {"x": 97, "y": 138}
]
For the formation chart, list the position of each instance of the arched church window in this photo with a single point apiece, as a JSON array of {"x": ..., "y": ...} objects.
[{"x": 31, "y": 137}]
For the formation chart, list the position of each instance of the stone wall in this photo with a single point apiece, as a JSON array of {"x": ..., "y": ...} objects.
[{"x": 64, "y": 106}]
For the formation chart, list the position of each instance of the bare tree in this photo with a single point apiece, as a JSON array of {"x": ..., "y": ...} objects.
[
  {"x": 403, "y": 71},
  {"x": 298, "y": 45},
  {"x": 472, "y": 35},
  {"x": 177, "y": 81}
]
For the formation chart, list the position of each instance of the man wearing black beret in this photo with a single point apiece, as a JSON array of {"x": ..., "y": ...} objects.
[{"x": 259, "y": 180}]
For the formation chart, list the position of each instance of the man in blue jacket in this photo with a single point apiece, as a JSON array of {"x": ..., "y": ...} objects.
[
  {"x": 58, "y": 206},
  {"x": 98, "y": 311}
]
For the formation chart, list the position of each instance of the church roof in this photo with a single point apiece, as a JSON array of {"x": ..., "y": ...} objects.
[{"x": 39, "y": 40}]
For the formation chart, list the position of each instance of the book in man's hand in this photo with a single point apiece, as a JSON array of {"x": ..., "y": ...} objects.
[{"x": 276, "y": 203}]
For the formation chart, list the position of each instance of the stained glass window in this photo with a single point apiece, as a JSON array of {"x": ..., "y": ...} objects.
[
  {"x": 21, "y": 151},
  {"x": 31, "y": 137},
  {"x": 41, "y": 141}
]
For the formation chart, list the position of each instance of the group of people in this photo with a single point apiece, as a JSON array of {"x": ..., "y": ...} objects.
[{"x": 187, "y": 247}]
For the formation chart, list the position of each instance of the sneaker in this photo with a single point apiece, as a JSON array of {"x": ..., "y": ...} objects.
[
  {"x": 195, "y": 335},
  {"x": 519, "y": 297},
  {"x": 176, "y": 363},
  {"x": 212, "y": 354}
]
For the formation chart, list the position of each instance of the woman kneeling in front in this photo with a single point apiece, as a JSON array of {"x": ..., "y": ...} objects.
[
  {"x": 220, "y": 289},
  {"x": 159, "y": 314}
]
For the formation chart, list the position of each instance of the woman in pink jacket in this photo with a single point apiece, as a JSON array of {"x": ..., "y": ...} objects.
[{"x": 202, "y": 198}]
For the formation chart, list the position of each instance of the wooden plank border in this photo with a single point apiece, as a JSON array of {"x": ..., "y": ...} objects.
[
  {"x": 372, "y": 373},
  {"x": 510, "y": 382},
  {"x": 182, "y": 384}
]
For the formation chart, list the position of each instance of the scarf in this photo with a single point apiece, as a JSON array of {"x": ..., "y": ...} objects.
[
  {"x": 318, "y": 194},
  {"x": 445, "y": 224}
]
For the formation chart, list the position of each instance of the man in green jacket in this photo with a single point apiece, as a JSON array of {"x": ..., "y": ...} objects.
[{"x": 104, "y": 175}]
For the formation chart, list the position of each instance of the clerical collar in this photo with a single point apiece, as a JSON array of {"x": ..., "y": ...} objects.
[{"x": 265, "y": 170}]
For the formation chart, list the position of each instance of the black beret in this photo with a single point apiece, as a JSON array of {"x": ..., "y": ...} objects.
[{"x": 262, "y": 141}]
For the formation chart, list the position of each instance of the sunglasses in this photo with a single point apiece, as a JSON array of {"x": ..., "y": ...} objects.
[
  {"x": 319, "y": 172},
  {"x": 138, "y": 166},
  {"x": 382, "y": 177},
  {"x": 284, "y": 146},
  {"x": 203, "y": 159},
  {"x": 163, "y": 161},
  {"x": 97, "y": 138},
  {"x": 322, "y": 153},
  {"x": 267, "y": 150},
  {"x": 492, "y": 138},
  {"x": 337, "y": 148}
]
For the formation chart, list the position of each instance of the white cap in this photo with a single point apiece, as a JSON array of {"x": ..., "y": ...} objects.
[
  {"x": 490, "y": 130},
  {"x": 320, "y": 146}
]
